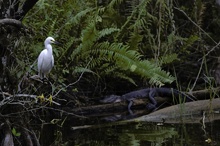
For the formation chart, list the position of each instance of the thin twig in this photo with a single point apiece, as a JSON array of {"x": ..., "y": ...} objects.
[
  {"x": 197, "y": 77},
  {"x": 196, "y": 24},
  {"x": 217, "y": 44},
  {"x": 73, "y": 82},
  {"x": 63, "y": 111},
  {"x": 25, "y": 95}
]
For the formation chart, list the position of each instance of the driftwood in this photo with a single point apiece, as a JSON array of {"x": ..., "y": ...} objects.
[
  {"x": 204, "y": 94},
  {"x": 191, "y": 112},
  {"x": 103, "y": 108},
  {"x": 201, "y": 111}
]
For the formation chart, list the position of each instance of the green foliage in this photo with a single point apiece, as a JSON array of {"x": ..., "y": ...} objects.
[
  {"x": 15, "y": 133},
  {"x": 166, "y": 59},
  {"x": 102, "y": 41},
  {"x": 189, "y": 42},
  {"x": 134, "y": 40}
]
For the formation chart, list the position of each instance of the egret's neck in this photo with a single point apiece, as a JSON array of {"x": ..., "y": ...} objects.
[{"x": 49, "y": 48}]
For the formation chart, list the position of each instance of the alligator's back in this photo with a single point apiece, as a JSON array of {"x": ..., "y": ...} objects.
[
  {"x": 164, "y": 92},
  {"x": 142, "y": 93}
]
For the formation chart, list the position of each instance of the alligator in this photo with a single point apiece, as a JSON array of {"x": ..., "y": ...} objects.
[{"x": 147, "y": 93}]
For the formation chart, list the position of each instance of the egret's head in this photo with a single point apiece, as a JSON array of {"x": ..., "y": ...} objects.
[{"x": 49, "y": 40}]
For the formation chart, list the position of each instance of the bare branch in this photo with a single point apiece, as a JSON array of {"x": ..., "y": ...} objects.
[
  {"x": 196, "y": 24},
  {"x": 73, "y": 82},
  {"x": 8, "y": 96},
  {"x": 12, "y": 22}
]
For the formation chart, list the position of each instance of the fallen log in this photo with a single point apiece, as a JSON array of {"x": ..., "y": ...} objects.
[
  {"x": 103, "y": 108},
  {"x": 205, "y": 93},
  {"x": 191, "y": 112},
  {"x": 138, "y": 104}
]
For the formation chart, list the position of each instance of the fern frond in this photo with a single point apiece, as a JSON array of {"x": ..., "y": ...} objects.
[
  {"x": 115, "y": 3},
  {"x": 189, "y": 41},
  {"x": 130, "y": 60},
  {"x": 134, "y": 40},
  {"x": 106, "y": 31},
  {"x": 78, "y": 17},
  {"x": 117, "y": 50},
  {"x": 139, "y": 24},
  {"x": 123, "y": 76},
  {"x": 154, "y": 73},
  {"x": 76, "y": 52},
  {"x": 89, "y": 35},
  {"x": 166, "y": 59},
  {"x": 52, "y": 27},
  {"x": 66, "y": 47}
]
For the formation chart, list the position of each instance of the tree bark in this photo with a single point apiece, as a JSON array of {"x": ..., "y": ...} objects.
[{"x": 12, "y": 22}]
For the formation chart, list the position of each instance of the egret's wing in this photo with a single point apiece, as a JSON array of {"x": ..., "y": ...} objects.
[
  {"x": 52, "y": 61},
  {"x": 40, "y": 62}
]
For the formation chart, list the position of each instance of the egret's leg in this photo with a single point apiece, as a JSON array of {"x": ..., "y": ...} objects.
[{"x": 45, "y": 79}]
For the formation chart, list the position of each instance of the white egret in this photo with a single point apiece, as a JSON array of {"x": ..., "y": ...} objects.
[{"x": 45, "y": 59}]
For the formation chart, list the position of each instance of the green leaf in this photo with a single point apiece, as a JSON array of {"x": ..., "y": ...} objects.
[{"x": 15, "y": 133}]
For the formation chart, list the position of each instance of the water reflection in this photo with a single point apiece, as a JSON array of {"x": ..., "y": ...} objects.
[{"x": 145, "y": 134}]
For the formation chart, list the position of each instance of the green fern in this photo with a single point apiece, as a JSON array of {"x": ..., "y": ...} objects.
[
  {"x": 129, "y": 60},
  {"x": 135, "y": 40},
  {"x": 115, "y": 3},
  {"x": 166, "y": 59},
  {"x": 78, "y": 17},
  {"x": 82, "y": 69},
  {"x": 117, "y": 45},
  {"x": 89, "y": 35},
  {"x": 123, "y": 76},
  {"x": 107, "y": 31}
]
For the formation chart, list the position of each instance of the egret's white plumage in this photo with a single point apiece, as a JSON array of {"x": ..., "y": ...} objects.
[{"x": 45, "y": 59}]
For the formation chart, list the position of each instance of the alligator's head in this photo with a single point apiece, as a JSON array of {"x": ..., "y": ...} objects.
[{"x": 111, "y": 99}]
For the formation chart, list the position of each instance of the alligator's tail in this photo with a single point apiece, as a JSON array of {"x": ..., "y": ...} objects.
[{"x": 187, "y": 97}]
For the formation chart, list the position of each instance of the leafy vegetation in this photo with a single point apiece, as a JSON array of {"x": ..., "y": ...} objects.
[
  {"x": 135, "y": 41},
  {"x": 112, "y": 39},
  {"x": 117, "y": 47},
  {"x": 105, "y": 45}
]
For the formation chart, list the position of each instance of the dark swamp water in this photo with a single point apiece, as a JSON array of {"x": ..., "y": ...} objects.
[
  {"x": 150, "y": 134},
  {"x": 94, "y": 132}
]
